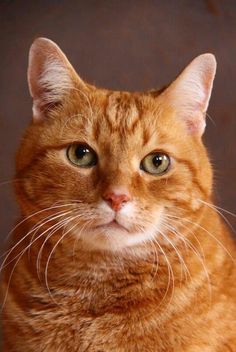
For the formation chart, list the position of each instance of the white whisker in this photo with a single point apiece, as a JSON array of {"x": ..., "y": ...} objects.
[
  {"x": 53, "y": 249},
  {"x": 37, "y": 213},
  {"x": 210, "y": 234},
  {"x": 217, "y": 209},
  {"x": 198, "y": 256},
  {"x": 54, "y": 230},
  {"x": 35, "y": 228}
]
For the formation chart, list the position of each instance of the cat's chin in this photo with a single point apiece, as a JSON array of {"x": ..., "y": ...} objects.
[{"x": 114, "y": 237}]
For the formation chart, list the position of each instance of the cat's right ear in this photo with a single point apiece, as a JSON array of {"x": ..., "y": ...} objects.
[{"x": 50, "y": 76}]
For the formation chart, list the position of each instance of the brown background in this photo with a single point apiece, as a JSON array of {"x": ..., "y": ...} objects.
[{"x": 131, "y": 45}]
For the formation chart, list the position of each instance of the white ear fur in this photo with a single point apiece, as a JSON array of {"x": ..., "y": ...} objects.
[
  {"x": 50, "y": 76},
  {"x": 190, "y": 93}
]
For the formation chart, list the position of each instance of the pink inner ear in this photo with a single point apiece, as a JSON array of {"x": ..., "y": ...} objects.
[
  {"x": 49, "y": 76},
  {"x": 41, "y": 109},
  {"x": 196, "y": 124},
  {"x": 189, "y": 94}
]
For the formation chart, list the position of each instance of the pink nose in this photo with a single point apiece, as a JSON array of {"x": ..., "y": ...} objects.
[{"x": 115, "y": 200}]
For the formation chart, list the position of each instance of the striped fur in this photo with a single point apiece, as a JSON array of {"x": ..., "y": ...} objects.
[{"x": 166, "y": 284}]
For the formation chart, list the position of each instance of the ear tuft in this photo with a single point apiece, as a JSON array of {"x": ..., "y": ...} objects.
[
  {"x": 50, "y": 76},
  {"x": 190, "y": 93}
]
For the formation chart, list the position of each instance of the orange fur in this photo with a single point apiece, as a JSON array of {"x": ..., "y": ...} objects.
[{"x": 75, "y": 288}]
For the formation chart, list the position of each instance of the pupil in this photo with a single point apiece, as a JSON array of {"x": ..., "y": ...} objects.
[
  {"x": 157, "y": 160},
  {"x": 80, "y": 152}
]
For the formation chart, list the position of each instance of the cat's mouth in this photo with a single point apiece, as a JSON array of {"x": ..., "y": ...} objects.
[{"x": 112, "y": 225}]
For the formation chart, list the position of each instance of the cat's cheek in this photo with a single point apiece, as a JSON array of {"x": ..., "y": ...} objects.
[
  {"x": 29, "y": 190},
  {"x": 25, "y": 195}
]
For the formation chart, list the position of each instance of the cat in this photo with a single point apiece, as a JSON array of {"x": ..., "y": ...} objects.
[{"x": 119, "y": 246}]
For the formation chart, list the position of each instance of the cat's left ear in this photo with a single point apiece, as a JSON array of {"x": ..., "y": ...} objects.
[
  {"x": 190, "y": 93},
  {"x": 51, "y": 77}
]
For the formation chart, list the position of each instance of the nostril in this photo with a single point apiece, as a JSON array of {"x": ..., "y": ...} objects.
[{"x": 116, "y": 201}]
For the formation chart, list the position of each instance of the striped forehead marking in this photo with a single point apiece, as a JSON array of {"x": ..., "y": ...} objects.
[{"x": 122, "y": 111}]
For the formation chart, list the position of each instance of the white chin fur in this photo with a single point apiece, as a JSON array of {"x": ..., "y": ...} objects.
[{"x": 115, "y": 240}]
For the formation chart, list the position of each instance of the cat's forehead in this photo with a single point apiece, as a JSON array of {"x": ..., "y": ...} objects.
[
  {"x": 109, "y": 119},
  {"x": 122, "y": 110},
  {"x": 121, "y": 119},
  {"x": 125, "y": 115}
]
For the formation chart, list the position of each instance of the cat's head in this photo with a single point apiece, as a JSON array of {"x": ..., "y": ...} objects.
[{"x": 116, "y": 168}]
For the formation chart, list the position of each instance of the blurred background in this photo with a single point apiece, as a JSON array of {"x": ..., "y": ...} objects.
[{"x": 125, "y": 44}]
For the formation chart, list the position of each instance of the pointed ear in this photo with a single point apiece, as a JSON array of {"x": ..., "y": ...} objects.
[
  {"x": 190, "y": 93},
  {"x": 50, "y": 76}
]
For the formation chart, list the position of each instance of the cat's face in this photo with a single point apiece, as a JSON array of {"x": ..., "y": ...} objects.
[{"x": 121, "y": 168}]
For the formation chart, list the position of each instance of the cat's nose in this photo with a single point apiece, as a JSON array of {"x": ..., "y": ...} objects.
[{"x": 116, "y": 199}]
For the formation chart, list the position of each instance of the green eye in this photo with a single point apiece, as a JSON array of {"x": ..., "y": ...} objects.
[
  {"x": 155, "y": 163},
  {"x": 81, "y": 155}
]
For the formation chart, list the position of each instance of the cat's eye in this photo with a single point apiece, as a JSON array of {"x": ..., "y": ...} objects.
[
  {"x": 156, "y": 163},
  {"x": 81, "y": 155}
]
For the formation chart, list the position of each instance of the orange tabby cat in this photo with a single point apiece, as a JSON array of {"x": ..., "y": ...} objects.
[{"x": 119, "y": 247}]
